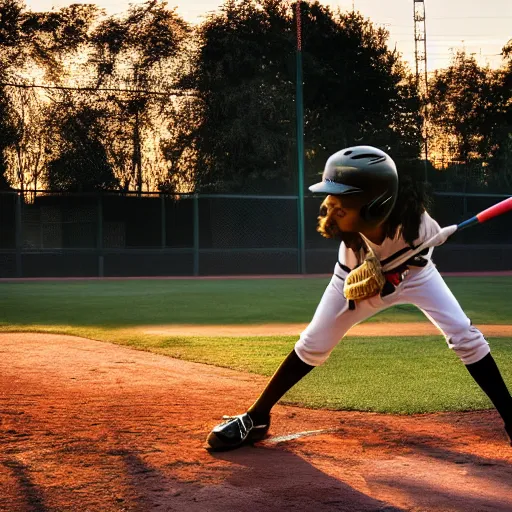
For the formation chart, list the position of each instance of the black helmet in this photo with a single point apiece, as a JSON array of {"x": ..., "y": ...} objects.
[{"x": 365, "y": 173}]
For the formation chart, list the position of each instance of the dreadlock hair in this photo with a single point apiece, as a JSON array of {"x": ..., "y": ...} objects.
[{"x": 405, "y": 218}]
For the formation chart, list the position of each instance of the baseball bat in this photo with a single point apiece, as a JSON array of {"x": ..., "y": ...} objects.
[
  {"x": 443, "y": 235},
  {"x": 495, "y": 210}
]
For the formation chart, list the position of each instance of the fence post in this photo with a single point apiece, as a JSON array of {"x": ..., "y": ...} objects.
[
  {"x": 99, "y": 243},
  {"x": 18, "y": 234},
  {"x": 299, "y": 103},
  {"x": 196, "y": 235},
  {"x": 163, "y": 226},
  {"x": 301, "y": 237}
]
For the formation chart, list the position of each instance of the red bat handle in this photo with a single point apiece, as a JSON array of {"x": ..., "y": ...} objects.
[{"x": 497, "y": 209}]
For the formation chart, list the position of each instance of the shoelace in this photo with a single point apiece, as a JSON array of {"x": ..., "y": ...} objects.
[
  {"x": 240, "y": 423},
  {"x": 228, "y": 418}
]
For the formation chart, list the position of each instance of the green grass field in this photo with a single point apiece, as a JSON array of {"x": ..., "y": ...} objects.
[
  {"x": 388, "y": 374},
  {"x": 237, "y": 301}
]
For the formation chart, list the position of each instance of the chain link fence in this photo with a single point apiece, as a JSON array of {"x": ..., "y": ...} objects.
[{"x": 117, "y": 235}]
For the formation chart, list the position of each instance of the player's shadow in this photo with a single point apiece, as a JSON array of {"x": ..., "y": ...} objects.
[
  {"x": 488, "y": 473},
  {"x": 270, "y": 479},
  {"x": 454, "y": 501},
  {"x": 31, "y": 496},
  {"x": 308, "y": 488},
  {"x": 497, "y": 473},
  {"x": 430, "y": 445},
  {"x": 260, "y": 479}
]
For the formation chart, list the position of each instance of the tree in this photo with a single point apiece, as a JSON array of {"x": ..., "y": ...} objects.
[
  {"x": 33, "y": 42},
  {"x": 468, "y": 107},
  {"x": 355, "y": 91},
  {"x": 136, "y": 52},
  {"x": 82, "y": 163},
  {"x": 460, "y": 107},
  {"x": 8, "y": 136},
  {"x": 178, "y": 147},
  {"x": 27, "y": 156},
  {"x": 9, "y": 15},
  {"x": 501, "y": 164},
  {"x": 245, "y": 89}
]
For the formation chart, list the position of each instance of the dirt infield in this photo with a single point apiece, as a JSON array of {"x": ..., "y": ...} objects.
[
  {"x": 87, "y": 425},
  {"x": 367, "y": 329}
]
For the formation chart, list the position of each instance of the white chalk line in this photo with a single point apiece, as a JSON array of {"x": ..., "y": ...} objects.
[{"x": 297, "y": 435}]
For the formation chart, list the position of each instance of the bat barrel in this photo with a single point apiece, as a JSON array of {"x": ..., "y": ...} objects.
[{"x": 499, "y": 208}]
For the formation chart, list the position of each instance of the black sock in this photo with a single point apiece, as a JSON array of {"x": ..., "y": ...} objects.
[
  {"x": 259, "y": 418},
  {"x": 291, "y": 370},
  {"x": 488, "y": 377}
]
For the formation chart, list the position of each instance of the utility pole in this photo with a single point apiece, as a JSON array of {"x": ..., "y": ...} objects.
[{"x": 420, "y": 57}]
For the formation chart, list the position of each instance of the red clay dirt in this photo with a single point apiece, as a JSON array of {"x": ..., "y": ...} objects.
[{"x": 91, "y": 426}]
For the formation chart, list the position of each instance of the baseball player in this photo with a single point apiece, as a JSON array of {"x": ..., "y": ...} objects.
[{"x": 373, "y": 215}]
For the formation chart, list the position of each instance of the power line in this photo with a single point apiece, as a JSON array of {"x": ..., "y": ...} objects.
[
  {"x": 97, "y": 89},
  {"x": 472, "y": 18},
  {"x": 444, "y": 18},
  {"x": 440, "y": 54},
  {"x": 449, "y": 35}
]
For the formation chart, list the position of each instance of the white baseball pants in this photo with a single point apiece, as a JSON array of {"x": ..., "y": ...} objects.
[{"x": 423, "y": 287}]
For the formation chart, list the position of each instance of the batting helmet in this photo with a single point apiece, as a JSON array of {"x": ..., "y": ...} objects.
[{"x": 367, "y": 176}]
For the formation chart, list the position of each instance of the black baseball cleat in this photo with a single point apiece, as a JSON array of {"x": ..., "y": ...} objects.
[{"x": 234, "y": 432}]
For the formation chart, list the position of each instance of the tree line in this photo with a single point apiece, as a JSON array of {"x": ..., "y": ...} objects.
[{"x": 144, "y": 101}]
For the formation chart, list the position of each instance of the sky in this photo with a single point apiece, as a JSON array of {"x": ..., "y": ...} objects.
[{"x": 480, "y": 27}]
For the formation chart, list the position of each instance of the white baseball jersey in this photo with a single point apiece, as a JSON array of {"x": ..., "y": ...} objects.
[
  {"x": 349, "y": 259},
  {"x": 422, "y": 286}
]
